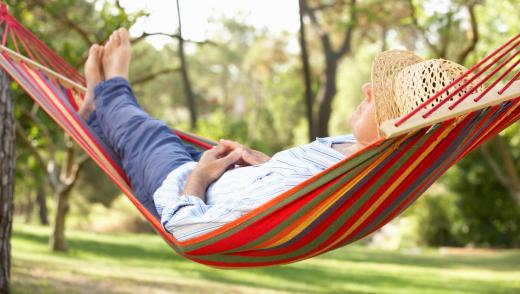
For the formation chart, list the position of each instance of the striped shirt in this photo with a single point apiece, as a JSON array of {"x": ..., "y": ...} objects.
[{"x": 240, "y": 190}]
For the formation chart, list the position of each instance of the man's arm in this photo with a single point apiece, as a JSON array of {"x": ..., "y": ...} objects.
[
  {"x": 216, "y": 161},
  {"x": 188, "y": 215},
  {"x": 249, "y": 156},
  {"x": 211, "y": 166}
]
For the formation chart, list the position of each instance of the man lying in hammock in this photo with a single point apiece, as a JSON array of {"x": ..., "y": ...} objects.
[{"x": 196, "y": 192}]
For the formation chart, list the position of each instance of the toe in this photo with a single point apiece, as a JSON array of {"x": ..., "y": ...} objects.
[
  {"x": 92, "y": 50},
  {"x": 123, "y": 35},
  {"x": 117, "y": 39},
  {"x": 110, "y": 41},
  {"x": 100, "y": 52}
]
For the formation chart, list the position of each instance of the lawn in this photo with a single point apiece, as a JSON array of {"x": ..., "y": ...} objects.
[{"x": 129, "y": 263}]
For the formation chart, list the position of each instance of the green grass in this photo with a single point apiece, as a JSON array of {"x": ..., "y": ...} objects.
[{"x": 129, "y": 263}]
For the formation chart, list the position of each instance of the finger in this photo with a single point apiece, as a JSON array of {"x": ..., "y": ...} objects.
[
  {"x": 255, "y": 157},
  {"x": 221, "y": 150},
  {"x": 231, "y": 144},
  {"x": 251, "y": 158},
  {"x": 232, "y": 157}
]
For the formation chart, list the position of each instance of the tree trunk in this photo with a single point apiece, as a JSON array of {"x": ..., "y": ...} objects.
[
  {"x": 29, "y": 207},
  {"x": 190, "y": 97},
  {"x": 328, "y": 88},
  {"x": 58, "y": 241},
  {"x": 326, "y": 96},
  {"x": 7, "y": 164},
  {"x": 306, "y": 71},
  {"x": 42, "y": 205}
]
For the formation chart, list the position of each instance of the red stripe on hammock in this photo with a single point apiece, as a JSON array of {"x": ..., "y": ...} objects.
[
  {"x": 442, "y": 147},
  {"x": 446, "y": 166},
  {"x": 261, "y": 226},
  {"x": 337, "y": 212}
]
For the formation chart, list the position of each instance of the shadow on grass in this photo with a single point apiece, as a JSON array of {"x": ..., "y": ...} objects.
[
  {"x": 103, "y": 249},
  {"x": 503, "y": 261},
  {"x": 312, "y": 277},
  {"x": 336, "y": 281}
]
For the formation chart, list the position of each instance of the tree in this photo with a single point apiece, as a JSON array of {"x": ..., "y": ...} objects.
[
  {"x": 327, "y": 86},
  {"x": 62, "y": 174},
  {"x": 446, "y": 27},
  {"x": 190, "y": 97},
  {"x": 7, "y": 164},
  {"x": 450, "y": 33},
  {"x": 57, "y": 157},
  {"x": 485, "y": 183},
  {"x": 306, "y": 72}
]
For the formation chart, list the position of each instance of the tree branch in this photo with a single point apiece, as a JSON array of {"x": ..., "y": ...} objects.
[
  {"x": 151, "y": 76},
  {"x": 22, "y": 135},
  {"x": 76, "y": 168},
  {"x": 173, "y": 36},
  {"x": 324, "y": 37},
  {"x": 61, "y": 16},
  {"x": 69, "y": 159},
  {"x": 484, "y": 150},
  {"x": 473, "y": 32},
  {"x": 506, "y": 171},
  {"x": 508, "y": 161},
  {"x": 345, "y": 46},
  {"x": 326, "y": 6},
  {"x": 36, "y": 120},
  {"x": 421, "y": 30},
  {"x": 48, "y": 166}
]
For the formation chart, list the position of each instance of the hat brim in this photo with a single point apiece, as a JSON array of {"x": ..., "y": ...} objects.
[{"x": 384, "y": 68}]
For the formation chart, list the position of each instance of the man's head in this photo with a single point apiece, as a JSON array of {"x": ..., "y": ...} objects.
[{"x": 401, "y": 81}]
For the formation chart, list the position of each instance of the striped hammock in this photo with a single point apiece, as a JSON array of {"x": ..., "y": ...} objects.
[{"x": 338, "y": 206}]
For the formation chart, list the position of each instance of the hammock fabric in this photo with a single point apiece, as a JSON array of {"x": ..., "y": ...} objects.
[{"x": 342, "y": 204}]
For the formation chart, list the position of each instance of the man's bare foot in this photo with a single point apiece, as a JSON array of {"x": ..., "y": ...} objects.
[
  {"x": 94, "y": 76},
  {"x": 116, "y": 55}
]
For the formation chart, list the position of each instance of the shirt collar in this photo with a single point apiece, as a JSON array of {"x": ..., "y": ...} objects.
[
  {"x": 328, "y": 141},
  {"x": 348, "y": 138}
]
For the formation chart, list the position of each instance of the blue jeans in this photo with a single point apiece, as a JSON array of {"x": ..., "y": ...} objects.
[{"x": 147, "y": 148}]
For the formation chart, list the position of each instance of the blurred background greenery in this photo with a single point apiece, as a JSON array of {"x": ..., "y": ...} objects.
[{"x": 246, "y": 82}]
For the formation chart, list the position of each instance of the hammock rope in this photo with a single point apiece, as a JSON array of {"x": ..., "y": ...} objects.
[{"x": 338, "y": 206}]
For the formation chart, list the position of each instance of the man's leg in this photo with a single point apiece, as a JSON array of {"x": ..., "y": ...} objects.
[
  {"x": 94, "y": 76},
  {"x": 93, "y": 123},
  {"x": 148, "y": 149}
]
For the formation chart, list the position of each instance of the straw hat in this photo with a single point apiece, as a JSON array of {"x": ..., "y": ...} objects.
[{"x": 401, "y": 81}]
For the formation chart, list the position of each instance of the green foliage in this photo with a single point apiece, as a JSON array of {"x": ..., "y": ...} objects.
[
  {"x": 437, "y": 219},
  {"x": 469, "y": 205},
  {"x": 489, "y": 213},
  {"x": 218, "y": 126},
  {"x": 69, "y": 27}
]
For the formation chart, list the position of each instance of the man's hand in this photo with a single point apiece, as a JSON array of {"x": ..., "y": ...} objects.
[
  {"x": 249, "y": 156},
  {"x": 216, "y": 161},
  {"x": 211, "y": 166}
]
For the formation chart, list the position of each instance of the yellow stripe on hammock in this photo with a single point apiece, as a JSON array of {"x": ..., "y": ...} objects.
[{"x": 319, "y": 210}]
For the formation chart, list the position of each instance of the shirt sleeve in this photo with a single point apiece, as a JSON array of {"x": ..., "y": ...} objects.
[{"x": 187, "y": 216}]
